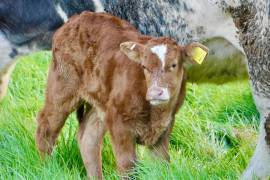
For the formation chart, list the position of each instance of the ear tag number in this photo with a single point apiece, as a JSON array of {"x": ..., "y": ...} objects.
[{"x": 199, "y": 55}]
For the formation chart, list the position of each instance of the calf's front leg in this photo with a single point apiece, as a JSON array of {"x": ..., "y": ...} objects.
[
  {"x": 161, "y": 148},
  {"x": 124, "y": 146}
]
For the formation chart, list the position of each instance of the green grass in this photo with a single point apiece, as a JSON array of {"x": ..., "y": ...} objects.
[{"x": 213, "y": 138}]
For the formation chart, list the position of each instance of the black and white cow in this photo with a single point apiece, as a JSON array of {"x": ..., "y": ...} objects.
[
  {"x": 26, "y": 25},
  {"x": 252, "y": 18}
]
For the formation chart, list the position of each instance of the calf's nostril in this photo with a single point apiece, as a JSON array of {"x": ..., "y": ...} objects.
[{"x": 160, "y": 93}]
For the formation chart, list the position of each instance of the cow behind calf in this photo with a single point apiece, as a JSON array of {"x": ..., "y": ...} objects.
[{"x": 133, "y": 83}]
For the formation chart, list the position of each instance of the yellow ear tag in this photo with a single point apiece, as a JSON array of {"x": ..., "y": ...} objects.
[{"x": 199, "y": 55}]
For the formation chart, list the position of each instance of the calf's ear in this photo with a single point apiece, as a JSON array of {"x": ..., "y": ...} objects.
[
  {"x": 132, "y": 50},
  {"x": 195, "y": 52}
]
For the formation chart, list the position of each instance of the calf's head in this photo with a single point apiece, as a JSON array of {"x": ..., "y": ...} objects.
[{"x": 163, "y": 62}]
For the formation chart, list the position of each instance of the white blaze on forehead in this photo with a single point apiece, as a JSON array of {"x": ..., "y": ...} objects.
[{"x": 160, "y": 51}]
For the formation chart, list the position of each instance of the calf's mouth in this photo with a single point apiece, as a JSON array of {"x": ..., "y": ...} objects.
[{"x": 156, "y": 102}]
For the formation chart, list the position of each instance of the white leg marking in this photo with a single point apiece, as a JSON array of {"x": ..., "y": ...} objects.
[
  {"x": 98, "y": 6},
  {"x": 160, "y": 51},
  {"x": 61, "y": 13},
  {"x": 259, "y": 165}
]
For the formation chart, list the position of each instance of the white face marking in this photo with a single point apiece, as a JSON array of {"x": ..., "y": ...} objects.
[
  {"x": 160, "y": 51},
  {"x": 61, "y": 13},
  {"x": 98, "y": 5}
]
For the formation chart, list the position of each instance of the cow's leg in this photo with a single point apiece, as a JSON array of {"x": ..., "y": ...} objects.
[
  {"x": 90, "y": 137},
  {"x": 161, "y": 149},
  {"x": 61, "y": 100},
  {"x": 259, "y": 165},
  {"x": 5, "y": 74},
  {"x": 7, "y": 63},
  {"x": 123, "y": 142}
]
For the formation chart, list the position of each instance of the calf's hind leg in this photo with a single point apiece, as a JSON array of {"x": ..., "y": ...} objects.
[
  {"x": 61, "y": 100},
  {"x": 90, "y": 138}
]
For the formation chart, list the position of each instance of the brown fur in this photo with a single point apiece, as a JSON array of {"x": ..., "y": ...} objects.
[{"x": 88, "y": 66}]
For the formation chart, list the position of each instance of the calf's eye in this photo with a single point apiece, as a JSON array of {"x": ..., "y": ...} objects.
[{"x": 173, "y": 66}]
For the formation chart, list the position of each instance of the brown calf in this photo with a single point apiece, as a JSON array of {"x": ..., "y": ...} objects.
[{"x": 133, "y": 83}]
